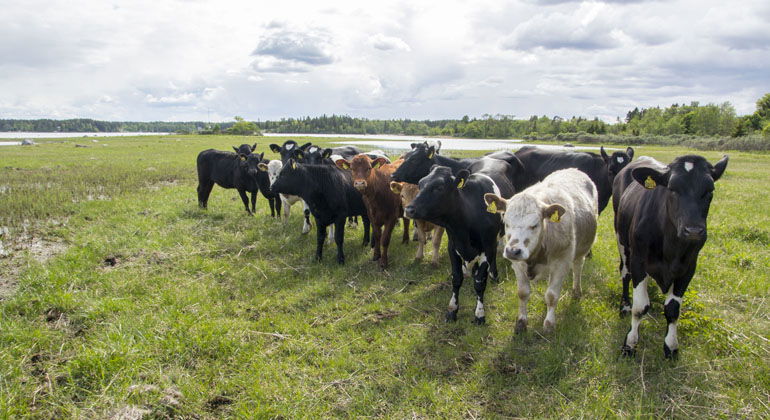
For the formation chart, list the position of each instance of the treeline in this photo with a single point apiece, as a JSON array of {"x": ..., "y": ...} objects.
[{"x": 85, "y": 125}]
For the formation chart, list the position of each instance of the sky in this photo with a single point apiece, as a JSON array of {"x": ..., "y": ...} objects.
[{"x": 184, "y": 60}]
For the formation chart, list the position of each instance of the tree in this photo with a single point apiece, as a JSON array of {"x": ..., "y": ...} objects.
[
  {"x": 243, "y": 127},
  {"x": 763, "y": 106}
]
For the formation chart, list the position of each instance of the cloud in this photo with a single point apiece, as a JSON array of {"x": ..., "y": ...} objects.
[
  {"x": 282, "y": 50},
  {"x": 387, "y": 43}
]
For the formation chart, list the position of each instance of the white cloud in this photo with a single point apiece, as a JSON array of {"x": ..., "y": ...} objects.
[{"x": 172, "y": 59}]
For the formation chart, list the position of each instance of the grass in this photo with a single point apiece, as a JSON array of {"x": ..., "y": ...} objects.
[{"x": 212, "y": 314}]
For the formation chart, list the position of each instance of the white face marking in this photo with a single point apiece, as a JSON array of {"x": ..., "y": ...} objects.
[
  {"x": 620, "y": 159},
  {"x": 289, "y": 146},
  {"x": 688, "y": 166},
  {"x": 312, "y": 149},
  {"x": 273, "y": 169},
  {"x": 523, "y": 225}
]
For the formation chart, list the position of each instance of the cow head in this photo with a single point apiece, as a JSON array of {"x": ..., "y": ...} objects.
[
  {"x": 288, "y": 150},
  {"x": 245, "y": 149},
  {"x": 273, "y": 168},
  {"x": 617, "y": 161},
  {"x": 689, "y": 185},
  {"x": 417, "y": 163},
  {"x": 407, "y": 192},
  {"x": 361, "y": 167},
  {"x": 250, "y": 163},
  {"x": 525, "y": 218},
  {"x": 291, "y": 179},
  {"x": 437, "y": 190},
  {"x": 315, "y": 155}
]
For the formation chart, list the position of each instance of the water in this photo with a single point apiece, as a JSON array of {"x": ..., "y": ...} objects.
[{"x": 398, "y": 143}]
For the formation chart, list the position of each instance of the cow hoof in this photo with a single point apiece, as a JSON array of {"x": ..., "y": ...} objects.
[
  {"x": 521, "y": 326},
  {"x": 576, "y": 294},
  {"x": 434, "y": 264},
  {"x": 451, "y": 316},
  {"x": 375, "y": 257},
  {"x": 627, "y": 351},
  {"x": 480, "y": 320},
  {"x": 341, "y": 260},
  {"x": 670, "y": 354},
  {"x": 625, "y": 309},
  {"x": 548, "y": 327}
]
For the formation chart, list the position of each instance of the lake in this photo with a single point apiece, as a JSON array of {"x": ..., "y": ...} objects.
[{"x": 32, "y": 135}]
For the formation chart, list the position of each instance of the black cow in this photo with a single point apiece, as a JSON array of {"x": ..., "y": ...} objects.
[
  {"x": 660, "y": 223},
  {"x": 315, "y": 155},
  {"x": 245, "y": 149},
  {"x": 239, "y": 171},
  {"x": 538, "y": 163},
  {"x": 288, "y": 150},
  {"x": 617, "y": 161},
  {"x": 329, "y": 193},
  {"x": 457, "y": 204},
  {"x": 419, "y": 161}
]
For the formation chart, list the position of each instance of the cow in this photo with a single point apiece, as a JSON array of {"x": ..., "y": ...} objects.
[
  {"x": 245, "y": 149},
  {"x": 617, "y": 161},
  {"x": 231, "y": 170},
  {"x": 273, "y": 168},
  {"x": 549, "y": 229},
  {"x": 315, "y": 155},
  {"x": 328, "y": 191},
  {"x": 288, "y": 149},
  {"x": 371, "y": 179},
  {"x": 660, "y": 224},
  {"x": 407, "y": 192},
  {"x": 538, "y": 163},
  {"x": 456, "y": 203}
]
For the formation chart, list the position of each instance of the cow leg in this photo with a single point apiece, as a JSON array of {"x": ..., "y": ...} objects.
[
  {"x": 204, "y": 190},
  {"x": 286, "y": 209},
  {"x": 387, "y": 231},
  {"x": 278, "y": 205},
  {"x": 245, "y": 200},
  {"x": 306, "y": 212},
  {"x": 491, "y": 255},
  {"x": 367, "y": 228},
  {"x": 339, "y": 237},
  {"x": 557, "y": 272},
  {"x": 577, "y": 273},
  {"x": 457, "y": 282},
  {"x": 421, "y": 239},
  {"x": 330, "y": 238},
  {"x": 254, "y": 203},
  {"x": 625, "y": 276},
  {"x": 480, "y": 273},
  {"x": 320, "y": 238},
  {"x": 405, "y": 238},
  {"x": 353, "y": 222},
  {"x": 671, "y": 309},
  {"x": 377, "y": 239},
  {"x": 639, "y": 306},
  {"x": 522, "y": 281},
  {"x": 436, "y": 241},
  {"x": 414, "y": 235}
]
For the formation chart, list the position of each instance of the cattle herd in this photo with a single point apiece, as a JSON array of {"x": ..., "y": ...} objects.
[{"x": 539, "y": 206}]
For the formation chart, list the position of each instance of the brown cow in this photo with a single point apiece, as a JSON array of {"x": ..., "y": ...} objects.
[
  {"x": 408, "y": 192},
  {"x": 372, "y": 179}
]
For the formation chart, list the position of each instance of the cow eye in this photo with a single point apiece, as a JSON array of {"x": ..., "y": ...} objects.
[{"x": 533, "y": 227}]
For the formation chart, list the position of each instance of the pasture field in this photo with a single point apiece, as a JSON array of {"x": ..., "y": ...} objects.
[{"x": 211, "y": 314}]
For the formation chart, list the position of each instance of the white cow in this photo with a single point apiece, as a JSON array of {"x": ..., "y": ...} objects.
[
  {"x": 549, "y": 228},
  {"x": 273, "y": 168}
]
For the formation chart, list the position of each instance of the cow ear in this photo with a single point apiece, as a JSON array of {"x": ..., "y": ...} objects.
[
  {"x": 396, "y": 187},
  {"x": 414, "y": 145},
  {"x": 305, "y": 146},
  {"x": 254, "y": 147},
  {"x": 438, "y": 149},
  {"x": 462, "y": 178},
  {"x": 342, "y": 164},
  {"x": 604, "y": 154},
  {"x": 554, "y": 212},
  {"x": 275, "y": 148},
  {"x": 261, "y": 155},
  {"x": 495, "y": 203},
  {"x": 236, "y": 149},
  {"x": 431, "y": 152},
  {"x": 379, "y": 162},
  {"x": 650, "y": 177},
  {"x": 262, "y": 167},
  {"x": 719, "y": 168},
  {"x": 326, "y": 153},
  {"x": 630, "y": 152},
  {"x": 299, "y": 154}
]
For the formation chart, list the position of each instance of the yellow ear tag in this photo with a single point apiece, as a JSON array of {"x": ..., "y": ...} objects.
[
  {"x": 555, "y": 217},
  {"x": 461, "y": 184},
  {"x": 243, "y": 158},
  {"x": 492, "y": 207},
  {"x": 649, "y": 183},
  {"x": 430, "y": 156},
  {"x": 346, "y": 165},
  {"x": 293, "y": 165}
]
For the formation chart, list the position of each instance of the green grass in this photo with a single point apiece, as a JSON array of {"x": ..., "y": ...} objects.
[{"x": 215, "y": 314}]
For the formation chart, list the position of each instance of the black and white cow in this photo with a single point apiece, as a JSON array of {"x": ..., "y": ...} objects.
[
  {"x": 288, "y": 150},
  {"x": 330, "y": 195},
  {"x": 315, "y": 155},
  {"x": 538, "y": 163},
  {"x": 660, "y": 223},
  {"x": 231, "y": 170},
  {"x": 456, "y": 202},
  {"x": 245, "y": 149}
]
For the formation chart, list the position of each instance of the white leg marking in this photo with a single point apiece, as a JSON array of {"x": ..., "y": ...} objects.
[
  {"x": 557, "y": 275},
  {"x": 479, "y": 309},
  {"x": 671, "y": 338},
  {"x": 453, "y": 303},
  {"x": 522, "y": 281},
  {"x": 640, "y": 301}
]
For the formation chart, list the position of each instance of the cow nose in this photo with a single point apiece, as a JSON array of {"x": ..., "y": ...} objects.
[
  {"x": 409, "y": 211},
  {"x": 359, "y": 185},
  {"x": 694, "y": 232},
  {"x": 512, "y": 253}
]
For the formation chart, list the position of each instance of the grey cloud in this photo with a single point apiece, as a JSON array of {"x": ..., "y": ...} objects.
[
  {"x": 554, "y": 2},
  {"x": 387, "y": 43},
  {"x": 303, "y": 48},
  {"x": 563, "y": 35}
]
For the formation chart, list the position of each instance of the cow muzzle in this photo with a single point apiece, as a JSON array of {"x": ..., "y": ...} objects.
[
  {"x": 409, "y": 211},
  {"x": 693, "y": 233},
  {"x": 359, "y": 185},
  {"x": 514, "y": 253}
]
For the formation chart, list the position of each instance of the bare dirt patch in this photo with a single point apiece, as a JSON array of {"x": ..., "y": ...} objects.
[{"x": 18, "y": 251}]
